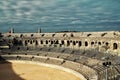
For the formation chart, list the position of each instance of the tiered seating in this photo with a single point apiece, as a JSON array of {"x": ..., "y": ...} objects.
[
  {"x": 77, "y": 60},
  {"x": 99, "y": 68},
  {"x": 118, "y": 68},
  {"x": 52, "y": 54},
  {"x": 53, "y": 61},
  {"x": 87, "y": 72},
  {"x": 9, "y": 57},
  {"x": 40, "y": 59},
  {"x": 111, "y": 72}
]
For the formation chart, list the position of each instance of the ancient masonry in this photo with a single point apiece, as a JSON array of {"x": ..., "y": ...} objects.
[{"x": 89, "y": 53}]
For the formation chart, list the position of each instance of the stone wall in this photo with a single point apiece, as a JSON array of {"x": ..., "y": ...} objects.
[{"x": 107, "y": 42}]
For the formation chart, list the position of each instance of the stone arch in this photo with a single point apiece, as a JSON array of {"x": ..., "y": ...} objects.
[
  {"x": 74, "y": 43},
  {"x": 64, "y": 35},
  {"x": 107, "y": 43},
  {"x": 31, "y": 41},
  {"x": 18, "y": 48},
  {"x": 20, "y": 42},
  {"x": 26, "y": 42},
  {"x": 41, "y": 41},
  {"x": 43, "y": 35},
  {"x": 89, "y": 35},
  {"x": 92, "y": 43},
  {"x": 80, "y": 43},
  {"x": 68, "y": 43},
  {"x": 52, "y": 42},
  {"x": 71, "y": 35},
  {"x": 53, "y": 35},
  {"x": 56, "y": 42},
  {"x": 115, "y": 46},
  {"x": 99, "y": 43},
  {"x": 62, "y": 42},
  {"x": 36, "y": 42},
  {"x": 32, "y": 35},
  {"x": 86, "y": 43},
  {"x": 21, "y": 35},
  {"x": 46, "y": 41}
]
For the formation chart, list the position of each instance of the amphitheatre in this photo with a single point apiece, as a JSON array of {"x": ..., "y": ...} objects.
[{"x": 64, "y": 55}]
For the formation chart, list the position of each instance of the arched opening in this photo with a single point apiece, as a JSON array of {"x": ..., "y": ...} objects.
[
  {"x": 53, "y": 35},
  {"x": 89, "y": 35},
  {"x": 115, "y": 46},
  {"x": 21, "y": 35},
  {"x": 36, "y": 42},
  {"x": 71, "y": 41},
  {"x": 43, "y": 35},
  {"x": 18, "y": 48},
  {"x": 28, "y": 40},
  {"x": 15, "y": 41},
  {"x": 56, "y": 42},
  {"x": 74, "y": 43},
  {"x": 80, "y": 43},
  {"x": 32, "y": 35},
  {"x": 25, "y": 43},
  {"x": 46, "y": 42},
  {"x": 64, "y": 35},
  {"x": 31, "y": 42},
  {"x": 92, "y": 43},
  {"x": 103, "y": 34},
  {"x": 107, "y": 43},
  {"x": 41, "y": 41},
  {"x": 99, "y": 43},
  {"x": 62, "y": 42},
  {"x": 86, "y": 43},
  {"x": 20, "y": 42},
  {"x": 68, "y": 43},
  {"x": 52, "y": 42},
  {"x": 72, "y": 35}
]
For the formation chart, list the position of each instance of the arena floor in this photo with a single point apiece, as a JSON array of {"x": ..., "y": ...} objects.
[{"x": 21, "y": 71}]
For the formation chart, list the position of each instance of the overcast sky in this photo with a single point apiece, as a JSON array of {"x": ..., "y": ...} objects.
[{"x": 60, "y": 12}]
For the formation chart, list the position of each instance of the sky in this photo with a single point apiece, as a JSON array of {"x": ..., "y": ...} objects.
[{"x": 79, "y": 14}]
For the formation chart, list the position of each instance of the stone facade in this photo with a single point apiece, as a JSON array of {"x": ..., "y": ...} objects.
[{"x": 107, "y": 42}]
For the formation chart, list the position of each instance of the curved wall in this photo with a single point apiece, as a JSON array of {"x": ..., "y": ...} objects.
[
  {"x": 108, "y": 42},
  {"x": 80, "y": 70}
]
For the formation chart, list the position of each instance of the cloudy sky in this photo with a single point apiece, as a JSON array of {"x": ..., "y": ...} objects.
[{"x": 97, "y": 13}]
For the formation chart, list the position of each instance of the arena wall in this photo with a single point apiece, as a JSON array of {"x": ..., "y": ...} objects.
[{"x": 107, "y": 42}]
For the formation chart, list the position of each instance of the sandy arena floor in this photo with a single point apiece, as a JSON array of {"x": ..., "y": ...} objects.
[{"x": 20, "y": 71}]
